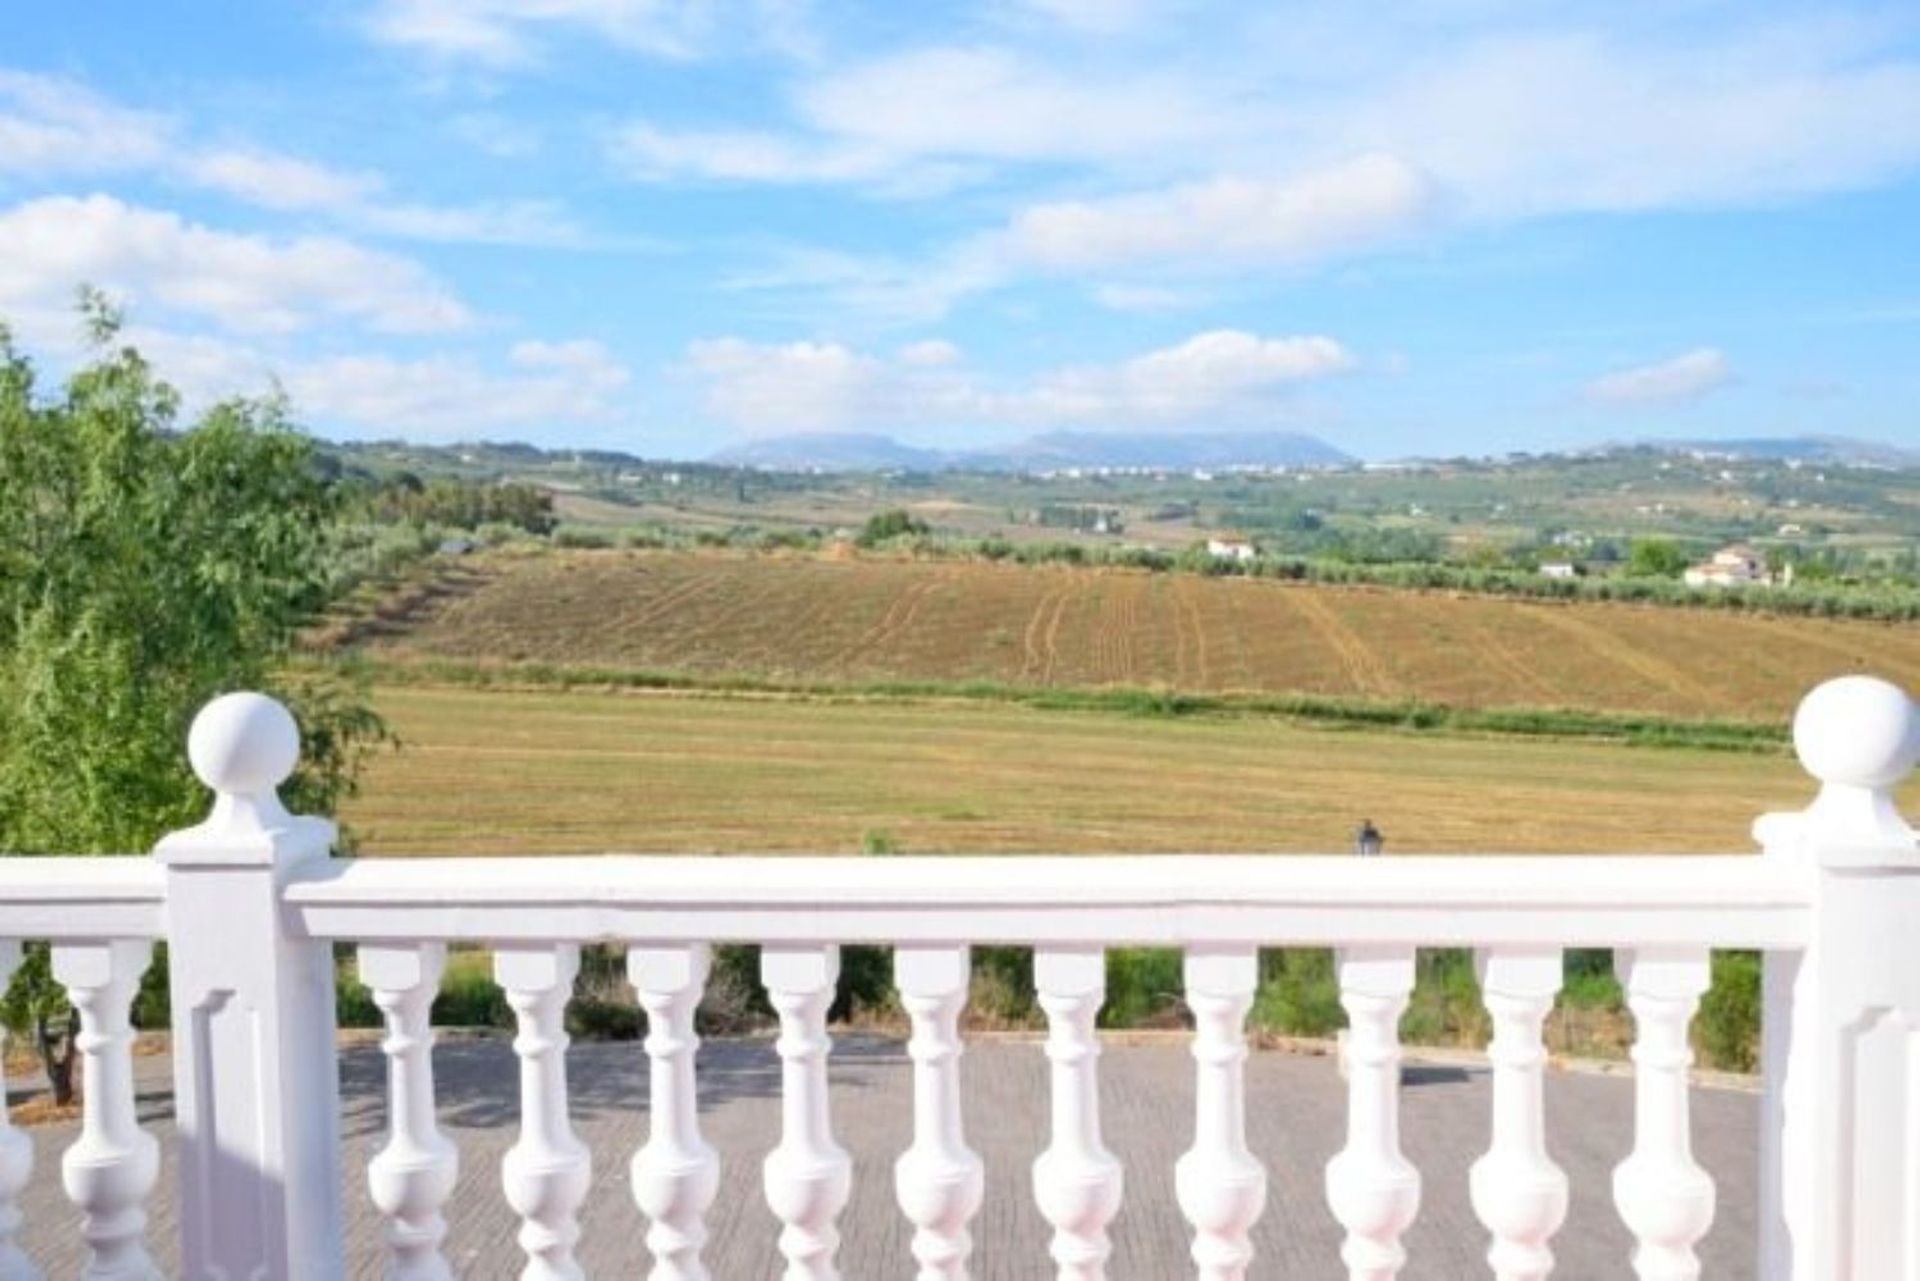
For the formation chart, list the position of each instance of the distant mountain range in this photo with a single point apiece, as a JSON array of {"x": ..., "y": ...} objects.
[
  {"x": 1826, "y": 449},
  {"x": 1051, "y": 451}
]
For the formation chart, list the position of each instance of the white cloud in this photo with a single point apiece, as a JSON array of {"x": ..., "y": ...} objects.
[
  {"x": 1118, "y": 296},
  {"x": 1100, "y": 17},
  {"x": 652, "y": 153},
  {"x": 1208, "y": 372},
  {"x": 53, "y": 126},
  {"x": 275, "y": 181},
  {"x": 245, "y": 283},
  {"x": 582, "y": 359},
  {"x": 1211, "y": 377},
  {"x": 502, "y": 33},
  {"x": 435, "y": 397},
  {"x": 932, "y": 351},
  {"x": 1226, "y": 149},
  {"x": 994, "y": 104},
  {"x": 1685, "y": 377},
  {"x": 1366, "y": 202}
]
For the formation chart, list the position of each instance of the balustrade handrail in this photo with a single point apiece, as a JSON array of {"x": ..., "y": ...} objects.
[
  {"x": 252, "y": 905},
  {"x": 1172, "y": 900},
  {"x": 66, "y": 897}
]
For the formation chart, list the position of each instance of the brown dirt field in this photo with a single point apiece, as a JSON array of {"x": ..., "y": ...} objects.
[{"x": 871, "y": 618}]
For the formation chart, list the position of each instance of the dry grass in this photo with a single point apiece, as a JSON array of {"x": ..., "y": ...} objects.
[
  {"x": 487, "y": 771},
  {"x": 865, "y": 619}
]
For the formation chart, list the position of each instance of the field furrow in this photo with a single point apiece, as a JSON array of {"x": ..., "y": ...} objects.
[{"x": 870, "y": 619}]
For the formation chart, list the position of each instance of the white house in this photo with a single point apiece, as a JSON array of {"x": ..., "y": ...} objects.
[
  {"x": 1230, "y": 547},
  {"x": 1735, "y": 566}
]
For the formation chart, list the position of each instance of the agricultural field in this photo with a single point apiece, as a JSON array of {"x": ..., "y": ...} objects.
[
  {"x": 864, "y": 619},
  {"x": 592, "y": 771}
]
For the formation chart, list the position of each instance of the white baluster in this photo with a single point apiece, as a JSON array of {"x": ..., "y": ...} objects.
[
  {"x": 112, "y": 1166},
  {"x": 939, "y": 1180},
  {"x": 807, "y": 1177},
  {"x": 546, "y": 1172},
  {"x": 1663, "y": 1195},
  {"x": 1221, "y": 1187},
  {"x": 412, "y": 1176},
  {"x": 1518, "y": 1192},
  {"x": 16, "y": 1151},
  {"x": 1373, "y": 1190},
  {"x": 676, "y": 1175},
  {"x": 1076, "y": 1181}
]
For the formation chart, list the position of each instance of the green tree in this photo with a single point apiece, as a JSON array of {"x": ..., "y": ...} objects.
[
  {"x": 896, "y": 522},
  {"x": 145, "y": 568},
  {"x": 1655, "y": 558}
]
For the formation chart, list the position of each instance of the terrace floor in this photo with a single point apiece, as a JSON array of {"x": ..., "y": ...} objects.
[{"x": 1296, "y": 1118}]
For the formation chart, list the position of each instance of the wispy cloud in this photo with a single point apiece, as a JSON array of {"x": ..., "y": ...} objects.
[
  {"x": 244, "y": 283},
  {"x": 1686, "y": 377},
  {"x": 805, "y": 386},
  {"x": 53, "y": 128}
]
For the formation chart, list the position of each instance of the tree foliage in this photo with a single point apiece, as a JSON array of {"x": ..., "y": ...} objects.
[
  {"x": 1655, "y": 558},
  {"x": 144, "y": 569}
]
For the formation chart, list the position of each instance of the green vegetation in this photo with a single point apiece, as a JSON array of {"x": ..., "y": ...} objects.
[
  {"x": 1380, "y": 714},
  {"x": 886, "y": 526},
  {"x": 145, "y": 568}
]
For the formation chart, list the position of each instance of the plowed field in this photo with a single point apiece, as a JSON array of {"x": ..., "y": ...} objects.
[{"x": 873, "y": 619}]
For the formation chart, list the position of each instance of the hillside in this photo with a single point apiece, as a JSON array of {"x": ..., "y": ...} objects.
[{"x": 869, "y": 619}]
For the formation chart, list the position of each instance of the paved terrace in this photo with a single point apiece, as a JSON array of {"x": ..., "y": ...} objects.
[{"x": 1296, "y": 1117}]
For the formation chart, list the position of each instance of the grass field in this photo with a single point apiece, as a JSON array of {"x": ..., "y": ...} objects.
[
  {"x": 488, "y": 771},
  {"x": 871, "y": 618}
]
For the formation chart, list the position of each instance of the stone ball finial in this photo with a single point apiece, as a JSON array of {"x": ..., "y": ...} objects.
[
  {"x": 243, "y": 744},
  {"x": 1857, "y": 731}
]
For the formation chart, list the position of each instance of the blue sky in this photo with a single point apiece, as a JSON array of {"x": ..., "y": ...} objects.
[{"x": 666, "y": 225}]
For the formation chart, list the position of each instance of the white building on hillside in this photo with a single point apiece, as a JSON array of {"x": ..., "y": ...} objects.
[
  {"x": 1230, "y": 547},
  {"x": 1735, "y": 566}
]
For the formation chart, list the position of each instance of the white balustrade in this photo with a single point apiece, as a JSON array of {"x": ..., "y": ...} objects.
[
  {"x": 16, "y": 1151},
  {"x": 675, "y": 1174},
  {"x": 112, "y": 1166},
  {"x": 939, "y": 1180},
  {"x": 414, "y": 1173},
  {"x": 546, "y": 1173},
  {"x": 1662, "y": 1193},
  {"x": 1221, "y": 1187},
  {"x": 1076, "y": 1181},
  {"x": 1374, "y": 1190},
  {"x": 808, "y": 1177},
  {"x": 252, "y": 905},
  {"x": 1518, "y": 1191}
]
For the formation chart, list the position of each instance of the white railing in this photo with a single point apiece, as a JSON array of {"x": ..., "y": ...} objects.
[{"x": 251, "y": 904}]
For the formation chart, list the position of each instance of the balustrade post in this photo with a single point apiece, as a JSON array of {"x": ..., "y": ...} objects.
[
  {"x": 1221, "y": 1186},
  {"x": 111, "y": 1167},
  {"x": 676, "y": 1174},
  {"x": 546, "y": 1172},
  {"x": 808, "y": 1177},
  {"x": 256, "y": 1081},
  {"x": 1374, "y": 1191},
  {"x": 411, "y": 1177},
  {"x": 1518, "y": 1191},
  {"x": 939, "y": 1180},
  {"x": 1663, "y": 1195},
  {"x": 16, "y": 1151},
  {"x": 1840, "y": 1178},
  {"x": 1076, "y": 1181}
]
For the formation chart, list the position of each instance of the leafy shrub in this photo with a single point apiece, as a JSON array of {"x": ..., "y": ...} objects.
[
  {"x": 1728, "y": 1026},
  {"x": 1298, "y": 994},
  {"x": 1143, "y": 984}
]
